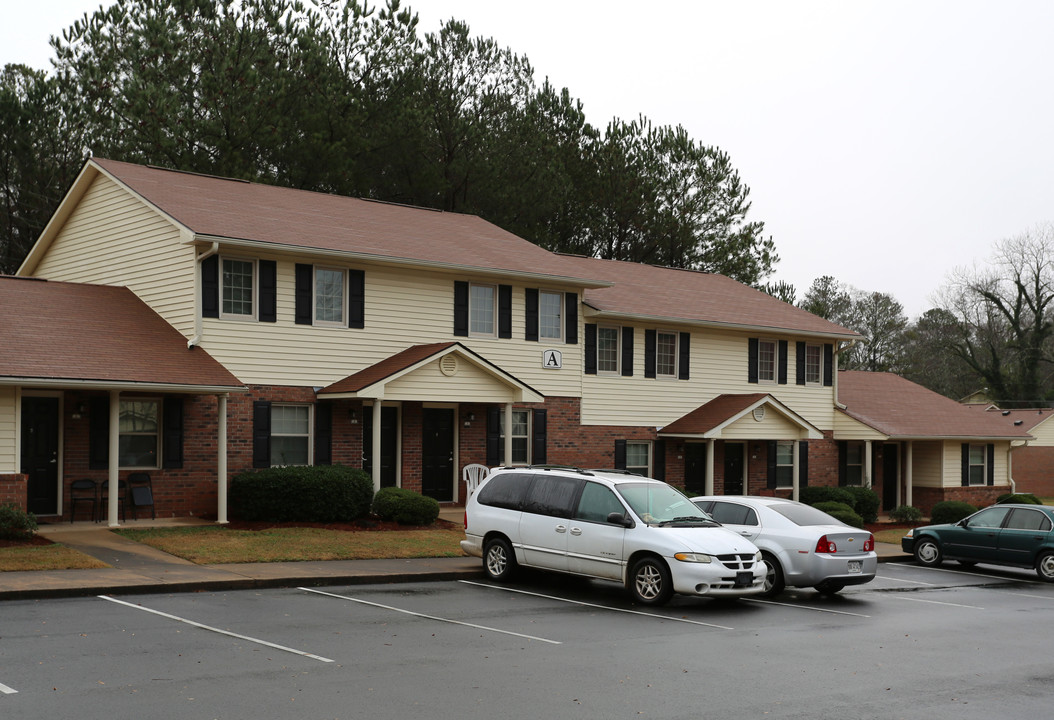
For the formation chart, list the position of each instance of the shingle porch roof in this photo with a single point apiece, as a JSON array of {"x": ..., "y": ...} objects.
[{"x": 709, "y": 419}]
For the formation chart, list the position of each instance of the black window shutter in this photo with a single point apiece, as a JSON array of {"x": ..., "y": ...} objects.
[
  {"x": 799, "y": 364},
  {"x": 842, "y": 480},
  {"x": 627, "y": 351},
  {"x": 530, "y": 314},
  {"x": 772, "y": 464},
  {"x": 99, "y": 432},
  {"x": 305, "y": 276},
  {"x": 505, "y": 311},
  {"x": 493, "y": 436},
  {"x": 649, "y": 353},
  {"x": 571, "y": 318},
  {"x": 620, "y": 454},
  {"x": 262, "y": 434},
  {"x": 461, "y": 310},
  {"x": 828, "y": 365},
  {"x": 591, "y": 349},
  {"x": 782, "y": 375},
  {"x": 658, "y": 461},
  {"x": 989, "y": 456},
  {"x": 752, "y": 360},
  {"x": 172, "y": 429},
  {"x": 803, "y": 464},
  {"x": 965, "y": 464},
  {"x": 323, "y": 433},
  {"x": 539, "y": 454},
  {"x": 210, "y": 287},
  {"x": 684, "y": 349},
  {"x": 356, "y": 299},
  {"x": 268, "y": 270}
]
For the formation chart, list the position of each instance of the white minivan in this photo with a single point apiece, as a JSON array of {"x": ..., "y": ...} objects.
[{"x": 611, "y": 525}]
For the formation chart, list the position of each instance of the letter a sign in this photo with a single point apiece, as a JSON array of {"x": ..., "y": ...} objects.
[{"x": 552, "y": 359}]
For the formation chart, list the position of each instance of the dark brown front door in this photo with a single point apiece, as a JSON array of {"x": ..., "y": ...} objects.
[
  {"x": 733, "y": 468},
  {"x": 40, "y": 453},
  {"x": 695, "y": 468},
  {"x": 437, "y": 445}
]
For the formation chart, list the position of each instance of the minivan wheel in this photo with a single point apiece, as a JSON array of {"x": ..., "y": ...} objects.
[
  {"x": 649, "y": 581},
  {"x": 928, "y": 552},
  {"x": 1045, "y": 567},
  {"x": 774, "y": 582},
  {"x": 498, "y": 560}
]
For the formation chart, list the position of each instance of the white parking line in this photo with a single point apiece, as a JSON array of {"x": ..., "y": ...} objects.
[
  {"x": 432, "y": 617},
  {"x": 602, "y": 607},
  {"x": 807, "y": 607},
  {"x": 936, "y": 602},
  {"x": 6, "y": 690},
  {"x": 904, "y": 580},
  {"x": 969, "y": 573},
  {"x": 216, "y": 630}
]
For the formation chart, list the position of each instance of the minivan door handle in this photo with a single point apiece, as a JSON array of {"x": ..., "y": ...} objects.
[
  {"x": 576, "y": 531},
  {"x": 561, "y": 528}
]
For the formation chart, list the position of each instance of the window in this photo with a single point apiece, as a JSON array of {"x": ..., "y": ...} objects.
[
  {"x": 813, "y": 365},
  {"x": 767, "y": 361},
  {"x": 728, "y": 513},
  {"x": 597, "y": 502},
  {"x": 785, "y": 463},
  {"x": 638, "y": 458},
  {"x": 329, "y": 296},
  {"x": 138, "y": 433},
  {"x": 666, "y": 354},
  {"x": 290, "y": 435},
  {"x": 481, "y": 310},
  {"x": 237, "y": 283},
  {"x": 607, "y": 349},
  {"x": 521, "y": 420},
  {"x": 977, "y": 465},
  {"x": 854, "y": 464},
  {"x": 550, "y": 315},
  {"x": 989, "y": 517},
  {"x": 1023, "y": 519}
]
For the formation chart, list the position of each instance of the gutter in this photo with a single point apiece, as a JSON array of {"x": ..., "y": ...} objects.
[
  {"x": 838, "y": 351},
  {"x": 194, "y": 341}
]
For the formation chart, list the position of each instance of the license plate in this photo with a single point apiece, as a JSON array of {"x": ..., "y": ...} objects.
[
  {"x": 745, "y": 579},
  {"x": 855, "y": 566}
]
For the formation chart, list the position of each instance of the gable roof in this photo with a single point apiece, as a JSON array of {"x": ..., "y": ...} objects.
[
  {"x": 902, "y": 409},
  {"x": 709, "y": 419},
  {"x": 638, "y": 291},
  {"x": 1025, "y": 418},
  {"x": 60, "y": 334}
]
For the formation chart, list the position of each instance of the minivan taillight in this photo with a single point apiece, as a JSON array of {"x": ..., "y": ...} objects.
[
  {"x": 869, "y": 544},
  {"x": 823, "y": 545},
  {"x": 466, "y": 519}
]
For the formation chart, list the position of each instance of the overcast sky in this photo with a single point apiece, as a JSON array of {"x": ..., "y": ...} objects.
[{"x": 885, "y": 143}]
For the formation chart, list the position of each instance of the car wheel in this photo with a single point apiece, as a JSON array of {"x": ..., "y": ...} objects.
[
  {"x": 928, "y": 552},
  {"x": 774, "y": 582},
  {"x": 828, "y": 587},
  {"x": 498, "y": 560},
  {"x": 649, "y": 581},
  {"x": 1045, "y": 567}
]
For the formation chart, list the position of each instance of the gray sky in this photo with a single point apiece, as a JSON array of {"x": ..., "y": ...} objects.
[{"x": 885, "y": 143}]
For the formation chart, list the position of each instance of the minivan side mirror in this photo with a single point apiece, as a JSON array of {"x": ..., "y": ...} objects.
[{"x": 620, "y": 519}]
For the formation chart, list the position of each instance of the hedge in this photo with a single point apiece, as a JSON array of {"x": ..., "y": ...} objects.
[
  {"x": 950, "y": 511},
  {"x": 405, "y": 506},
  {"x": 816, "y": 494},
  {"x": 319, "y": 493},
  {"x": 1026, "y": 498},
  {"x": 865, "y": 502},
  {"x": 906, "y": 513},
  {"x": 16, "y": 523},
  {"x": 841, "y": 512}
]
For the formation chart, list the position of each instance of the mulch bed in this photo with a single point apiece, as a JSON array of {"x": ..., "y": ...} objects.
[
  {"x": 360, "y": 525},
  {"x": 35, "y": 540}
]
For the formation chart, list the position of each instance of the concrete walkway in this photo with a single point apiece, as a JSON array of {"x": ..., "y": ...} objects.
[{"x": 138, "y": 568}]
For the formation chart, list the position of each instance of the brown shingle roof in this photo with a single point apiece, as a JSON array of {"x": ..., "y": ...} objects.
[
  {"x": 646, "y": 290},
  {"x": 53, "y": 331},
  {"x": 900, "y": 408},
  {"x": 386, "y": 368},
  {"x": 706, "y": 417}
]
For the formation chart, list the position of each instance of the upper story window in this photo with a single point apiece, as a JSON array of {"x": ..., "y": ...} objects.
[
  {"x": 813, "y": 365},
  {"x": 138, "y": 424},
  {"x": 550, "y": 315},
  {"x": 607, "y": 349},
  {"x": 330, "y": 292},
  {"x": 767, "y": 361},
  {"x": 481, "y": 309},
  {"x": 239, "y": 279},
  {"x": 666, "y": 354}
]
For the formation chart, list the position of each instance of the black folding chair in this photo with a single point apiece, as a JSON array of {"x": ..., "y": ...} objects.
[
  {"x": 142, "y": 491},
  {"x": 84, "y": 491}
]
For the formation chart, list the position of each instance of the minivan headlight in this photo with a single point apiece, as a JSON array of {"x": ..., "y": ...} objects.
[
  {"x": 692, "y": 557},
  {"x": 757, "y": 556}
]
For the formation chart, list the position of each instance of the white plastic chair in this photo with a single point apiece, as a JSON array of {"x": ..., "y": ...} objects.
[{"x": 473, "y": 475}]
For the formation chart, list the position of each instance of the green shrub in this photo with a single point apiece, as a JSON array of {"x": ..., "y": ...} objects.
[
  {"x": 1026, "y": 498},
  {"x": 16, "y": 523},
  {"x": 319, "y": 493},
  {"x": 811, "y": 495},
  {"x": 906, "y": 513},
  {"x": 405, "y": 506},
  {"x": 865, "y": 502},
  {"x": 951, "y": 511},
  {"x": 841, "y": 512}
]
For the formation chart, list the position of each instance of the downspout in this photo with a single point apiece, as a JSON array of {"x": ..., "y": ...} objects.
[
  {"x": 834, "y": 371},
  {"x": 193, "y": 342}
]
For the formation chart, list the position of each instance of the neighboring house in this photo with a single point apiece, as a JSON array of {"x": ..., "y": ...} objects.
[
  {"x": 1033, "y": 464},
  {"x": 412, "y": 342}
]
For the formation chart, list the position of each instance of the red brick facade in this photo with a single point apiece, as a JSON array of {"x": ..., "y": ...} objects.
[
  {"x": 13, "y": 490},
  {"x": 1033, "y": 470}
]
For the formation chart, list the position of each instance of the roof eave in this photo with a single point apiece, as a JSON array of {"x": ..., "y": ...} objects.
[
  {"x": 122, "y": 385},
  {"x": 592, "y": 312}
]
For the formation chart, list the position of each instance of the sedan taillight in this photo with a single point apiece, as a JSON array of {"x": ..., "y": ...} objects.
[
  {"x": 823, "y": 545},
  {"x": 869, "y": 544}
]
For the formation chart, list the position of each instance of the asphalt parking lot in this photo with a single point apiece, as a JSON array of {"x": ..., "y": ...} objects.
[{"x": 915, "y": 643}]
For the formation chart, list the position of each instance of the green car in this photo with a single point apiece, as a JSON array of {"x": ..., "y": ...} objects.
[{"x": 1015, "y": 535}]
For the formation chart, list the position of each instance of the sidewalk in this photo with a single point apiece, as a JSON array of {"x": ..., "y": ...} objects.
[{"x": 138, "y": 568}]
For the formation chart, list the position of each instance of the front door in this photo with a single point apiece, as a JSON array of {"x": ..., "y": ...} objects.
[
  {"x": 695, "y": 468},
  {"x": 890, "y": 476},
  {"x": 733, "y": 469},
  {"x": 40, "y": 453},
  {"x": 389, "y": 444},
  {"x": 437, "y": 447}
]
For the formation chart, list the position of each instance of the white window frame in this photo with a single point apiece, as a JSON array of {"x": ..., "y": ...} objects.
[
  {"x": 156, "y": 434},
  {"x": 983, "y": 464},
  {"x": 310, "y": 435},
  {"x": 818, "y": 349},
  {"x": 673, "y": 360},
  {"x": 762, "y": 379},
  {"x": 253, "y": 291},
  {"x": 617, "y": 351},
  {"x": 473, "y": 312},
  {"x": 528, "y": 436},
  {"x": 645, "y": 469},
  {"x": 343, "y": 322},
  {"x": 559, "y": 336},
  {"x": 788, "y": 462}
]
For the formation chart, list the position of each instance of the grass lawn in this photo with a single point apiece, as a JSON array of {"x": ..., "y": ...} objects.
[
  {"x": 891, "y": 536},
  {"x": 46, "y": 557}
]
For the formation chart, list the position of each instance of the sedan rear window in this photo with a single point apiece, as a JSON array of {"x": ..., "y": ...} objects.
[{"x": 805, "y": 515}]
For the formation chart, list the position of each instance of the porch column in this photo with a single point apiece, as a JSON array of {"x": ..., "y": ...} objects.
[
  {"x": 375, "y": 441},
  {"x": 907, "y": 474},
  {"x": 221, "y": 459},
  {"x": 114, "y": 465},
  {"x": 508, "y": 434},
  {"x": 795, "y": 483},
  {"x": 868, "y": 450},
  {"x": 709, "y": 489}
]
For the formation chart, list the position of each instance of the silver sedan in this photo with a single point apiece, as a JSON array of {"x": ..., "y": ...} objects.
[{"x": 803, "y": 546}]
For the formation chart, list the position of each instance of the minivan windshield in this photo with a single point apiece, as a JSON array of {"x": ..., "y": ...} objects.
[{"x": 659, "y": 504}]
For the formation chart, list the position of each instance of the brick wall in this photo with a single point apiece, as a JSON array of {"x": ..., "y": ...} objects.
[
  {"x": 13, "y": 490},
  {"x": 1033, "y": 470}
]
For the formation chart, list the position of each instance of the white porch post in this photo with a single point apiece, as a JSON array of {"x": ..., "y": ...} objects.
[
  {"x": 868, "y": 451},
  {"x": 795, "y": 483},
  {"x": 508, "y": 434},
  {"x": 112, "y": 503},
  {"x": 376, "y": 444},
  {"x": 221, "y": 459},
  {"x": 907, "y": 474},
  {"x": 709, "y": 467}
]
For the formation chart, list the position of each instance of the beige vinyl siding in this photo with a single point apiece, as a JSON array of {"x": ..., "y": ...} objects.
[
  {"x": 718, "y": 366},
  {"x": 774, "y": 426},
  {"x": 953, "y": 477},
  {"x": 9, "y": 461},
  {"x": 928, "y": 461},
  {"x": 846, "y": 428},
  {"x": 113, "y": 238},
  {"x": 404, "y": 307},
  {"x": 1044, "y": 433},
  {"x": 428, "y": 383}
]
